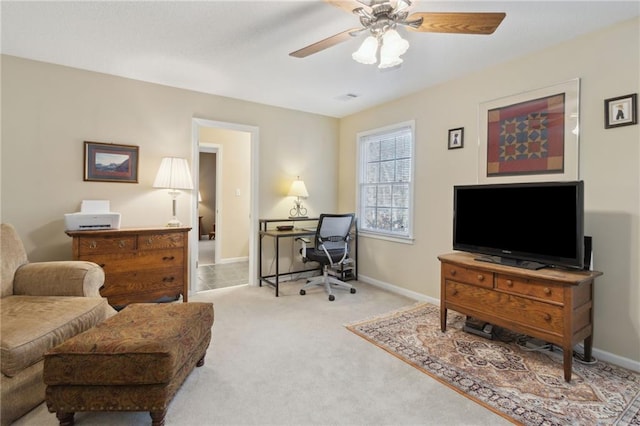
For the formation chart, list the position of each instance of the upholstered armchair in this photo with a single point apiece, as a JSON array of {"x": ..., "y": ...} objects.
[{"x": 42, "y": 304}]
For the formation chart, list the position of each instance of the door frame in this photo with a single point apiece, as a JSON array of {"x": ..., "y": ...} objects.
[{"x": 197, "y": 124}]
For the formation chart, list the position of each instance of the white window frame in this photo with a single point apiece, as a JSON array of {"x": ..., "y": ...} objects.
[{"x": 361, "y": 138}]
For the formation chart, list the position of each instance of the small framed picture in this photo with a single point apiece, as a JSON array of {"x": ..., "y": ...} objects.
[
  {"x": 621, "y": 111},
  {"x": 456, "y": 138},
  {"x": 108, "y": 162}
]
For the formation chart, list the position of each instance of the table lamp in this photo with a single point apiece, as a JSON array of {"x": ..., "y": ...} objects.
[
  {"x": 298, "y": 189},
  {"x": 174, "y": 175}
]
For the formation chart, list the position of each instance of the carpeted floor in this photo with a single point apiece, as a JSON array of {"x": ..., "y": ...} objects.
[
  {"x": 289, "y": 360},
  {"x": 522, "y": 385}
]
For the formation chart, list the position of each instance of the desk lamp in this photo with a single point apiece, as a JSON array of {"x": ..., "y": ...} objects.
[
  {"x": 298, "y": 189},
  {"x": 174, "y": 175}
]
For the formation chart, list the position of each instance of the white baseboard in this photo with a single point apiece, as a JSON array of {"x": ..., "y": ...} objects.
[
  {"x": 598, "y": 353},
  {"x": 234, "y": 260}
]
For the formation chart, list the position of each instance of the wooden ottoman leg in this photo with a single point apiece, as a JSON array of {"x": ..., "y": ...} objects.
[
  {"x": 157, "y": 417},
  {"x": 200, "y": 362},
  {"x": 65, "y": 419}
]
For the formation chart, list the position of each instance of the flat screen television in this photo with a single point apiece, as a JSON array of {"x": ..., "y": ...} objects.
[{"x": 528, "y": 225}]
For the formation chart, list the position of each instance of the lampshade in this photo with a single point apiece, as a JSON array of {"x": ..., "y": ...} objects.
[
  {"x": 366, "y": 54},
  {"x": 393, "y": 43},
  {"x": 298, "y": 189},
  {"x": 388, "y": 61},
  {"x": 392, "y": 47},
  {"x": 173, "y": 174}
]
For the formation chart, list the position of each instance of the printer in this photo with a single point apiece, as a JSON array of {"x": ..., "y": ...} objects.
[{"x": 93, "y": 215}]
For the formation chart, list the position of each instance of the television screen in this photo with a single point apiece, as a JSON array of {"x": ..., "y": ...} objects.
[{"x": 531, "y": 225}]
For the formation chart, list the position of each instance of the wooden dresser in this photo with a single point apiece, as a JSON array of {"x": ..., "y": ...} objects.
[
  {"x": 554, "y": 305},
  {"x": 140, "y": 264}
]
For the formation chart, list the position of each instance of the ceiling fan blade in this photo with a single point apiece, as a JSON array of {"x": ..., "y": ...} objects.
[
  {"x": 347, "y": 5},
  {"x": 458, "y": 22},
  {"x": 324, "y": 44}
]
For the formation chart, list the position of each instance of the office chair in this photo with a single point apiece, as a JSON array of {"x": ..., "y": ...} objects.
[{"x": 331, "y": 250}]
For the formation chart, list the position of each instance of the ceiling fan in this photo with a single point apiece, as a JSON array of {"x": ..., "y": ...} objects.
[{"x": 381, "y": 17}]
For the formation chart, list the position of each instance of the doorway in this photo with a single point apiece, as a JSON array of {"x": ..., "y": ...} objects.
[{"x": 235, "y": 149}]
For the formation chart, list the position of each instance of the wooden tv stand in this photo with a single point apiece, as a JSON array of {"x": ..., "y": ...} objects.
[{"x": 554, "y": 305}]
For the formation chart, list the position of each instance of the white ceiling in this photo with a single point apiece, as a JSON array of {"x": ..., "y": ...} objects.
[{"x": 240, "y": 48}]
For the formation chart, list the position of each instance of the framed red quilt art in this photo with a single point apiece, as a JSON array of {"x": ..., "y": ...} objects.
[
  {"x": 532, "y": 136},
  {"x": 526, "y": 138}
]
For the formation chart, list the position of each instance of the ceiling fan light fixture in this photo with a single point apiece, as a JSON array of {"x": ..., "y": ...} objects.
[{"x": 367, "y": 53}]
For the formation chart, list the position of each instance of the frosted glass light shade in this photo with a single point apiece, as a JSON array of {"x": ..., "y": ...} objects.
[
  {"x": 366, "y": 54},
  {"x": 392, "y": 47},
  {"x": 389, "y": 61},
  {"x": 393, "y": 44},
  {"x": 173, "y": 174},
  {"x": 298, "y": 189}
]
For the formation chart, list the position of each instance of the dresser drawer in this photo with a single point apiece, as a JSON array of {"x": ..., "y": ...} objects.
[
  {"x": 467, "y": 275},
  {"x": 513, "y": 309},
  {"x": 138, "y": 261},
  {"x": 161, "y": 241},
  {"x": 522, "y": 286},
  {"x": 94, "y": 245},
  {"x": 164, "y": 280}
]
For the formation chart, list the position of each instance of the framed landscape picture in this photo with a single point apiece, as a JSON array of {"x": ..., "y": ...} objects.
[
  {"x": 532, "y": 136},
  {"x": 107, "y": 162}
]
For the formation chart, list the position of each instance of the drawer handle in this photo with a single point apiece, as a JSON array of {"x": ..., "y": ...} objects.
[
  {"x": 122, "y": 244},
  {"x": 168, "y": 279},
  {"x": 547, "y": 290},
  {"x": 454, "y": 292},
  {"x": 509, "y": 283},
  {"x": 480, "y": 277},
  {"x": 453, "y": 272},
  {"x": 93, "y": 244},
  {"x": 547, "y": 317},
  {"x": 168, "y": 258}
]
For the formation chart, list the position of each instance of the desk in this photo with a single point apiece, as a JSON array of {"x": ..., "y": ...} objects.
[{"x": 274, "y": 279}]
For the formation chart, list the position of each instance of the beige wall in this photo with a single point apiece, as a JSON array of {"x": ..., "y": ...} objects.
[
  {"x": 607, "y": 63},
  {"x": 49, "y": 110}
]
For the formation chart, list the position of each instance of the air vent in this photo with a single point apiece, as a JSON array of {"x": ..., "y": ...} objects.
[{"x": 347, "y": 97}]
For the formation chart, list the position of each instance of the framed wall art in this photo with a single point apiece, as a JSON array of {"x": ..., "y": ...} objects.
[
  {"x": 108, "y": 162},
  {"x": 456, "y": 138},
  {"x": 621, "y": 111},
  {"x": 531, "y": 136}
]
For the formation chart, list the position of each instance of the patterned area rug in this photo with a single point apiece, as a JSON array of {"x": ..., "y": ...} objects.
[{"x": 523, "y": 386}]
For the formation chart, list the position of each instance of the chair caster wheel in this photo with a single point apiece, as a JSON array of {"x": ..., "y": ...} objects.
[
  {"x": 353, "y": 290},
  {"x": 331, "y": 298},
  {"x": 302, "y": 292}
]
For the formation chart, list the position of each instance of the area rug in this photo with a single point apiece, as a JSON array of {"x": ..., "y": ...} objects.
[{"x": 526, "y": 387}]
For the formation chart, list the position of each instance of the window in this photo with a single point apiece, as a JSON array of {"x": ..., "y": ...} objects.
[{"x": 385, "y": 181}]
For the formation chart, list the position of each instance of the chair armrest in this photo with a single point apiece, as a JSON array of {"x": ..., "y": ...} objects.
[{"x": 63, "y": 278}]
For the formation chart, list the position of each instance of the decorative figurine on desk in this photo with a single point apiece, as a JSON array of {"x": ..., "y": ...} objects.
[{"x": 298, "y": 189}]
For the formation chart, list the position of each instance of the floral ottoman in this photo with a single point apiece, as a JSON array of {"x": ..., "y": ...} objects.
[{"x": 133, "y": 361}]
